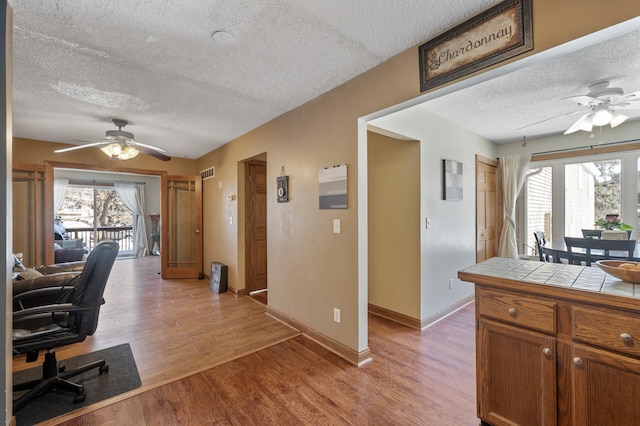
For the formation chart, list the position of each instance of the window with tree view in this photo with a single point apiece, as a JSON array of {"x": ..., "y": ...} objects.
[
  {"x": 95, "y": 213},
  {"x": 592, "y": 191}
]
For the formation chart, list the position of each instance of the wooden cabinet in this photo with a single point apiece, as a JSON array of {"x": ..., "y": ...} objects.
[
  {"x": 545, "y": 360},
  {"x": 516, "y": 371},
  {"x": 605, "y": 387}
]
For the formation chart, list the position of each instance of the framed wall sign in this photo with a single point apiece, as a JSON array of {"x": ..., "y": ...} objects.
[
  {"x": 282, "y": 188},
  {"x": 499, "y": 33},
  {"x": 333, "y": 187},
  {"x": 451, "y": 180}
]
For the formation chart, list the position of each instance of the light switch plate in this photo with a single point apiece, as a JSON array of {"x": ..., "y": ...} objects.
[{"x": 336, "y": 226}]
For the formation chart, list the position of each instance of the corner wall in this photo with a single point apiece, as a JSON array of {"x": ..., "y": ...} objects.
[
  {"x": 394, "y": 222},
  {"x": 312, "y": 270}
]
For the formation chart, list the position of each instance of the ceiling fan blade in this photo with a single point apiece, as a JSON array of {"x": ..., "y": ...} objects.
[
  {"x": 152, "y": 152},
  {"x": 582, "y": 123},
  {"x": 549, "y": 119},
  {"x": 155, "y": 148},
  {"x": 89, "y": 145}
]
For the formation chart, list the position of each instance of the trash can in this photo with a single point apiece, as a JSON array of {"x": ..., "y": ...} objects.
[{"x": 218, "y": 277}]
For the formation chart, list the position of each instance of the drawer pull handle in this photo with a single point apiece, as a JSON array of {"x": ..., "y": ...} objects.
[
  {"x": 512, "y": 312},
  {"x": 577, "y": 361},
  {"x": 626, "y": 337},
  {"x": 546, "y": 351}
]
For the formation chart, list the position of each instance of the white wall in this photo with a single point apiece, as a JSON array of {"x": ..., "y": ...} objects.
[{"x": 450, "y": 244}]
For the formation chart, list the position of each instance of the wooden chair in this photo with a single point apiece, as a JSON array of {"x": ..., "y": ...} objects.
[
  {"x": 604, "y": 249},
  {"x": 541, "y": 240}
]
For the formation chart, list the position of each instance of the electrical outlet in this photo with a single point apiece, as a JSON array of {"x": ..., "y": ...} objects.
[
  {"x": 450, "y": 283},
  {"x": 336, "y": 315}
]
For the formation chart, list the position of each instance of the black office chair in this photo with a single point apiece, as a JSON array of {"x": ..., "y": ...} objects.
[
  {"x": 541, "y": 240},
  {"x": 622, "y": 249},
  {"x": 70, "y": 320}
]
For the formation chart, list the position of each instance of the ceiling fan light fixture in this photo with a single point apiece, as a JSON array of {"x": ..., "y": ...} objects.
[
  {"x": 617, "y": 119},
  {"x": 602, "y": 117},
  {"x": 583, "y": 123},
  {"x": 115, "y": 150}
]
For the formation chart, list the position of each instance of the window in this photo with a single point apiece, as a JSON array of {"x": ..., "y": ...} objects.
[
  {"x": 94, "y": 213},
  {"x": 539, "y": 207},
  {"x": 564, "y": 196}
]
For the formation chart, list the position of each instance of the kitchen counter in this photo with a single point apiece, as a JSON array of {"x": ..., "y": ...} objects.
[
  {"x": 555, "y": 344},
  {"x": 549, "y": 278}
]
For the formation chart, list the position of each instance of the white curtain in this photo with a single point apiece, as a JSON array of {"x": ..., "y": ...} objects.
[
  {"x": 514, "y": 170},
  {"x": 59, "y": 188},
  {"x": 132, "y": 195}
]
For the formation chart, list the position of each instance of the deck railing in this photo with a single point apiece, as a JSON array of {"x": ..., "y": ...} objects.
[{"x": 123, "y": 235}]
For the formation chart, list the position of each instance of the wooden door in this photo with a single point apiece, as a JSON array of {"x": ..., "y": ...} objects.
[
  {"x": 486, "y": 208},
  {"x": 605, "y": 388},
  {"x": 516, "y": 376},
  {"x": 256, "y": 225},
  {"x": 180, "y": 225}
]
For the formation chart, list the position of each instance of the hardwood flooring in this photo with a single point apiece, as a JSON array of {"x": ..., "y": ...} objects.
[{"x": 272, "y": 374}]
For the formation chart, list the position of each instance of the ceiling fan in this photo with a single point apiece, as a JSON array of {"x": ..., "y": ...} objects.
[
  {"x": 121, "y": 145},
  {"x": 599, "y": 107}
]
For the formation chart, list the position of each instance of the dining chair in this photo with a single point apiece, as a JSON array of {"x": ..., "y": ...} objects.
[
  {"x": 541, "y": 240},
  {"x": 605, "y": 249},
  {"x": 592, "y": 233}
]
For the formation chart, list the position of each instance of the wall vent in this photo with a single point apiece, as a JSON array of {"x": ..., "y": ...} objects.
[{"x": 208, "y": 173}]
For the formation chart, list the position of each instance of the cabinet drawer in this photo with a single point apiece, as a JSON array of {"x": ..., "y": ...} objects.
[
  {"x": 606, "y": 329},
  {"x": 530, "y": 312}
]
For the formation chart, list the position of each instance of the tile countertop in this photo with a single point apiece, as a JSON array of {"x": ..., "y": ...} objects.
[{"x": 586, "y": 278}]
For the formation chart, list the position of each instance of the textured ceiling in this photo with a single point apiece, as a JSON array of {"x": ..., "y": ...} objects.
[
  {"x": 78, "y": 64},
  {"x": 504, "y": 109}
]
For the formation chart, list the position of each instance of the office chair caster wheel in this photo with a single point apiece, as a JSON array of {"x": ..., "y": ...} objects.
[
  {"x": 104, "y": 369},
  {"x": 79, "y": 398}
]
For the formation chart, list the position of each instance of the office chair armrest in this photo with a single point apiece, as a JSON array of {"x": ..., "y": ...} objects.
[
  {"x": 48, "y": 309},
  {"x": 40, "y": 297}
]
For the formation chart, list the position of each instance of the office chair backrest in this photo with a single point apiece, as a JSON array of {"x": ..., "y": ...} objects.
[{"x": 89, "y": 287}]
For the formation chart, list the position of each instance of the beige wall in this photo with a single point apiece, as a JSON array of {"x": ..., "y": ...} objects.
[
  {"x": 312, "y": 270},
  {"x": 394, "y": 223}
]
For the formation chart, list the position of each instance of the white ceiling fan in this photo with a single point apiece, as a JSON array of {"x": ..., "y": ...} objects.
[
  {"x": 121, "y": 145},
  {"x": 602, "y": 103},
  {"x": 600, "y": 107}
]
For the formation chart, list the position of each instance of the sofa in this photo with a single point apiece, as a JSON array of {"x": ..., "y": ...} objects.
[{"x": 29, "y": 279}]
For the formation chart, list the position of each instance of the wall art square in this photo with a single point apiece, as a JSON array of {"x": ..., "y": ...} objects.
[{"x": 451, "y": 180}]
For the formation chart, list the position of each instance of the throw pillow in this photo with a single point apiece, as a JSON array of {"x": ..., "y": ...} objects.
[{"x": 29, "y": 274}]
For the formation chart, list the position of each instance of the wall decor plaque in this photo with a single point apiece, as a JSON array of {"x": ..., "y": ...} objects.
[{"x": 499, "y": 33}]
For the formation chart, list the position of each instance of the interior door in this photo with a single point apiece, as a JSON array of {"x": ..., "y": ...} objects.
[
  {"x": 180, "y": 225},
  {"x": 486, "y": 208},
  {"x": 256, "y": 225}
]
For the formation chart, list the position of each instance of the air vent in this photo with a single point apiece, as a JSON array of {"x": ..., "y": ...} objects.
[{"x": 208, "y": 173}]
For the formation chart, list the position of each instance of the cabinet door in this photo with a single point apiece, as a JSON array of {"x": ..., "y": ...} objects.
[
  {"x": 605, "y": 388},
  {"x": 516, "y": 376}
]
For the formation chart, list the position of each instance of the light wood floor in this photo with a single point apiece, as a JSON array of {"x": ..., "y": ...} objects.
[{"x": 207, "y": 358}]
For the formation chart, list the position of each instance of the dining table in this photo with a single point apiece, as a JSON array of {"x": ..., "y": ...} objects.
[{"x": 557, "y": 250}]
